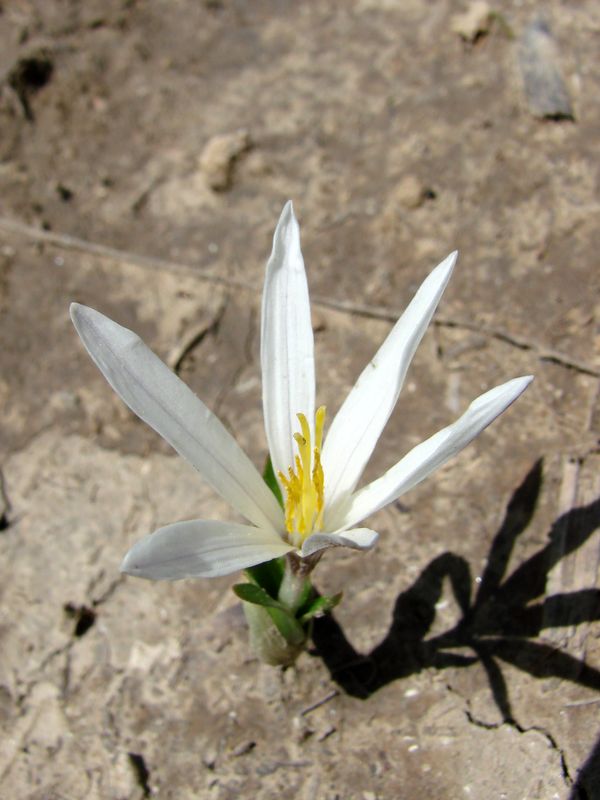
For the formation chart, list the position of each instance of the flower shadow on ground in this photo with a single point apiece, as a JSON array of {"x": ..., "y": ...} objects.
[
  {"x": 500, "y": 623},
  {"x": 588, "y": 779}
]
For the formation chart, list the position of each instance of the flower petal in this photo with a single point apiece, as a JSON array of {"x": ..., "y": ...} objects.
[
  {"x": 430, "y": 454},
  {"x": 358, "y": 424},
  {"x": 162, "y": 400},
  {"x": 201, "y": 549},
  {"x": 287, "y": 357},
  {"x": 357, "y": 539}
]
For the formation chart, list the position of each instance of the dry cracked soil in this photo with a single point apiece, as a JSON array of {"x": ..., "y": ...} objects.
[{"x": 146, "y": 150}]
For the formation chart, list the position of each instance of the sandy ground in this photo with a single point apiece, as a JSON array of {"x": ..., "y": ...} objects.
[{"x": 464, "y": 660}]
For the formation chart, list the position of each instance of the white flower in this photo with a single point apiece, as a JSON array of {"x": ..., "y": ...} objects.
[{"x": 319, "y": 480}]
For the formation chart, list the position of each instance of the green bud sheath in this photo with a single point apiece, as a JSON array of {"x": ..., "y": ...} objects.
[{"x": 266, "y": 641}]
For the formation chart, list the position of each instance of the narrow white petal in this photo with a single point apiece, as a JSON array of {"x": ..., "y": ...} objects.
[
  {"x": 422, "y": 460},
  {"x": 358, "y": 424},
  {"x": 162, "y": 400},
  {"x": 357, "y": 539},
  {"x": 201, "y": 549},
  {"x": 287, "y": 358}
]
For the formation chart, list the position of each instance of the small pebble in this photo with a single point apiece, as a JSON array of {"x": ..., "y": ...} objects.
[
  {"x": 209, "y": 758},
  {"x": 325, "y": 734},
  {"x": 410, "y": 192},
  {"x": 474, "y": 23},
  {"x": 219, "y": 155},
  {"x": 244, "y": 748},
  {"x": 545, "y": 90}
]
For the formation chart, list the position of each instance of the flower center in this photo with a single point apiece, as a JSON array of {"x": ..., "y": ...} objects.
[{"x": 305, "y": 484}]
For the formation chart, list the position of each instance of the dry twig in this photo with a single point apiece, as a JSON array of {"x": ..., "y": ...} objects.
[{"x": 318, "y": 703}]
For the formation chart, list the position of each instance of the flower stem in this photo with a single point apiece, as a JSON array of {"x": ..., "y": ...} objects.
[
  {"x": 295, "y": 588},
  {"x": 274, "y": 640}
]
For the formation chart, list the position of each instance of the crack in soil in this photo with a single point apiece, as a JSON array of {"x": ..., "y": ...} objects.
[
  {"x": 229, "y": 387},
  {"x": 511, "y": 722},
  {"x": 67, "y": 242},
  {"x": 515, "y": 725},
  {"x": 195, "y": 338},
  {"x": 85, "y": 618},
  {"x": 141, "y": 772},
  {"x": 5, "y": 505}
]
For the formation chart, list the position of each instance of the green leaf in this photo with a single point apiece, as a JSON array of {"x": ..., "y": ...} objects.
[
  {"x": 270, "y": 479},
  {"x": 287, "y": 625},
  {"x": 268, "y": 575},
  {"x": 251, "y": 593},
  {"x": 322, "y": 605}
]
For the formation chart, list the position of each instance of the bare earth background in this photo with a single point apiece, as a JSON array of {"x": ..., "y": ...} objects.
[{"x": 463, "y": 662}]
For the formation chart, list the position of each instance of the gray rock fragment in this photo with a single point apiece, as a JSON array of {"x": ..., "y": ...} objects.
[{"x": 545, "y": 90}]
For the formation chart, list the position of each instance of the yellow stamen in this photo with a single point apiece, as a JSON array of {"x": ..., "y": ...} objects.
[
  {"x": 319, "y": 425},
  {"x": 305, "y": 483}
]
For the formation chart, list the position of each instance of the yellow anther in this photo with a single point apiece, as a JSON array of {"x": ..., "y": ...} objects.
[
  {"x": 319, "y": 425},
  {"x": 305, "y": 484}
]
